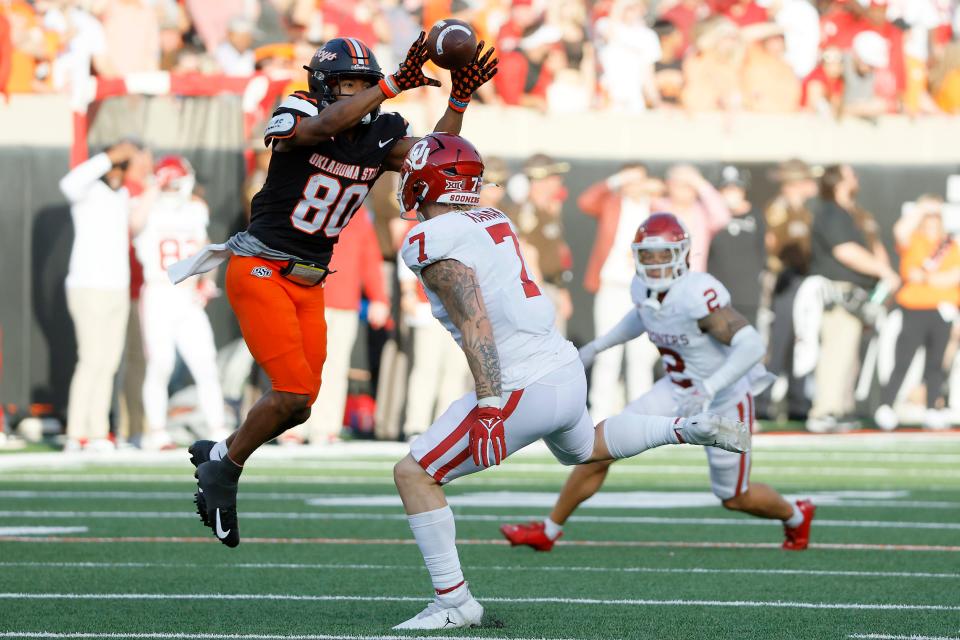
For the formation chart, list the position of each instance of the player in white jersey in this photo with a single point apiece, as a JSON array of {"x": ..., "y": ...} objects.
[
  {"x": 172, "y": 316},
  {"x": 712, "y": 359},
  {"x": 530, "y": 383}
]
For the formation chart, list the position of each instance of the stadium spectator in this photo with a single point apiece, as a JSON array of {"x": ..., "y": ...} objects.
[
  {"x": 822, "y": 90},
  {"x": 930, "y": 269},
  {"x": 619, "y": 203},
  {"x": 698, "y": 205},
  {"x": 212, "y": 19},
  {"x": 801, "y": 31},
  {"x": 235, "y": 55},
  {"x": 769, "y": 85},
  {"x": 737, "y": 254},
  {"x": 788, "y": 219},
  {"x": 132, "y": 32},
  {"x": 83, "y": 44},
  {"x": 846, "y": 250},
  {"x": 685, "y": 15},
  {"x": 866, "y": 93},
  {"x": 668, "y": 70},
  {"x": 356, "y": 268},
  {"x": 844, "y": 22},
  {"x": 97, "y": 284},
  {"x": 628, "y": 56},
  {"x": 523, "y": 44},
  {"x": 742, "y": 13},
  {"x": 32, "y": 49},
  {"x": 945, "y": 80},
  {"x": 712, "y": 73},
  {"x": 572, "y": 60},
  {"x": 540, "y": 194}
]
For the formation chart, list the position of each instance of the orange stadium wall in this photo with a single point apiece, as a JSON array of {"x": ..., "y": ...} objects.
[{"x": 38, "y": 347}]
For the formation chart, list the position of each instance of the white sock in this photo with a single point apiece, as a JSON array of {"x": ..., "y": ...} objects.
[
  {"x": 796, "y": 519},
  {"x": 219, "y": 450},
  {"x": 628, "y": 434},
  {"x": 551, "y": 528},
  {"x": 436, "y": 535}
]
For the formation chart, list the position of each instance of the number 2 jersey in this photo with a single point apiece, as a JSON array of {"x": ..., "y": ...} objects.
[
  {"x": 522, "y": 317},
  {"x": 311, "y": 192},
  {"x": 672, "y": 324}
]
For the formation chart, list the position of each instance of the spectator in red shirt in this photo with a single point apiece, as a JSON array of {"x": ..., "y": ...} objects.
[
  {"x": 523, "y": 47},
  {"x": 6, "y": 51},
  {"x": 685, "y": 14},
  {"x": 822, "y": 90},
  {"x": 842, "y": 24},
  {"x": 741, "y": 12},
  {"x": 356, "y": 267}
]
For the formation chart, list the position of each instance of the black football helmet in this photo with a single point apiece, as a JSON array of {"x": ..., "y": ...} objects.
[{"x": 342, "y": 57}]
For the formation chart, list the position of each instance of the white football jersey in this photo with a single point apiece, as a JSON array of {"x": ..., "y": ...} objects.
[
  {"x": 671, "y": 322},
  {"x": 522, "y": 317},
  {"x": 175, "y": 229}
]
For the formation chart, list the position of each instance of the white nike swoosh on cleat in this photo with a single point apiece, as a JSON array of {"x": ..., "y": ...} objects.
[
  {"x": 384, "y": 143},
  {"x": 220, "y": 532}
]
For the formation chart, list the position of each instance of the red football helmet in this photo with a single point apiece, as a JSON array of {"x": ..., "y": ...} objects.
[
  {"x": 659, "y": 232},
  {"x": 440, "y": 167},
  {"x": 174, "y": 173}
]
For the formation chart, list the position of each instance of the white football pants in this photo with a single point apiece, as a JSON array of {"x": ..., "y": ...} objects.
[{"x": 173, "y": 322}]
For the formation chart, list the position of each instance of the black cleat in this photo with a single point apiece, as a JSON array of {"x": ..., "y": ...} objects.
[
  {"x": 200, "y": 451},
  {"x": 216, "y": 499}
]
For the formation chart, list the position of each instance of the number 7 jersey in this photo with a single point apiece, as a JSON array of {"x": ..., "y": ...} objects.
[{"x": 522, "y": 317}]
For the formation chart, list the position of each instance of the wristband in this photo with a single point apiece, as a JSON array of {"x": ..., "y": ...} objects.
[
  {"x": 389, "y": 87},
  {"x": 458, "y": 105},
  {"x": 489, "y": 401}
]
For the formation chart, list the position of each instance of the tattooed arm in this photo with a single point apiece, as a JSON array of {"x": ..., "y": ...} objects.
[{"x": 457, "y": 287}]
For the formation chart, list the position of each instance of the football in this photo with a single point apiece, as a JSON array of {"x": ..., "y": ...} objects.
[{"x": 452, "y": 43}]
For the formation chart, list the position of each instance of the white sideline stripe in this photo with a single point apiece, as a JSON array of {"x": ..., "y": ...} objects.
[
  {"x": 293, "y": 515},
  {"x": 774, "y": 604},
  {"x": 558, "y": 569},
  {"x": 836, "y": 498},
  {"x": 39, "y": 531},
  {"x": 883, "y": 636},
  {"x": 229, "y": 636}
]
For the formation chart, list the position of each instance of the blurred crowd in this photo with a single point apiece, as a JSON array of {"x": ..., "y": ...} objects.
[
  {"x": 849, "y": 336},
  {"x": 834, "y": 57}
]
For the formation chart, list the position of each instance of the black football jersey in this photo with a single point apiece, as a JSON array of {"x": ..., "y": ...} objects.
[{"x": 312, "y": 192}]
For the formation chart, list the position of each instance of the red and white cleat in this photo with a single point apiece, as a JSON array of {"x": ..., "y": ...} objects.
[
  {"x": 799, "y": 537},
  {"x": 531, "y": 534}
]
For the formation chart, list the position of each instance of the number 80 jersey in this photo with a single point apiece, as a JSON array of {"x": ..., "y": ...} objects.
[
  {"x": 528, "y": 342},
  {"x": 311, "y": 192}
]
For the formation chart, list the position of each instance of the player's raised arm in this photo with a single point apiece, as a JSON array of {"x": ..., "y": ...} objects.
[
  {"x": 457, "y": 287},
  {"x": 466, "y": 80},
  {"x": 344, "y": 113},
  {"x": 630, "y": 327}
]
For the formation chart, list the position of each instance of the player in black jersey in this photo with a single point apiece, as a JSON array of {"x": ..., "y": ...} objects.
[{"x": 330, "y": 144}]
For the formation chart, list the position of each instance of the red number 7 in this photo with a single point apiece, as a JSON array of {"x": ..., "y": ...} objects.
[
  {"x": 420, "y": 238},
  {"x": 500, "y": 232}
]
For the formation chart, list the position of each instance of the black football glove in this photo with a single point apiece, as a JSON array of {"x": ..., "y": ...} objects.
[
  {"x": 471, "y": 76},
  {"x": 410, "y": 74}
]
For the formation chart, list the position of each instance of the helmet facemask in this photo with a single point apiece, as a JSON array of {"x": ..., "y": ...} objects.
[{"x": 660, "y": 275}]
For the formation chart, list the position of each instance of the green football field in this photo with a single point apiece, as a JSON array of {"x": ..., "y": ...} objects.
[{"x": 99, "y": 547}]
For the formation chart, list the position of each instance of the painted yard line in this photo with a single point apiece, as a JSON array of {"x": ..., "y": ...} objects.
[
  {"x": 773, "y": 604},
  {"x": 883, "y": 636},
  {"x": 672, "y": 544},
  {"x": 496, "y": 568},
  {"x": 697, "y": 470},
  {"x": 39, "y": 531},
  {"x": 837, "y": 498},
  {"x": 229, "y": 636},
  {"x": 399, "y": 517}
]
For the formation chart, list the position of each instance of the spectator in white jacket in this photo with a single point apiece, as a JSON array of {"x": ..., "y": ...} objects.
[{"x": 98, "y": 289}]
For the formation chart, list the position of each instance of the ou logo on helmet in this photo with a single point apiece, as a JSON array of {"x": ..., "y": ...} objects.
[{"x": 417, "y": 156}]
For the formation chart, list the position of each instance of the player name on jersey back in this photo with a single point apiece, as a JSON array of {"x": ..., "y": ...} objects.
[{"x": 522, "y": 317}]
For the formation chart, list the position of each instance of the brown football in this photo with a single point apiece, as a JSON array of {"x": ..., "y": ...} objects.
[{"x": 452, "y": 43}]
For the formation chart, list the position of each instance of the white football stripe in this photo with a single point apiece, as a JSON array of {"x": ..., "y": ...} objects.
[
  {"x": 400, "y": 517},
  {"x": 227, "y": 636},
  {"x": 39, "y": 531},
  {"x": 883, "y": 636},
  {"x": 496, "y": 568},
  {"x": 773, "y": 604}
]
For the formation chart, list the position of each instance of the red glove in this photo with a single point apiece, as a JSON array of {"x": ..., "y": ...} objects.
[{"x": 487, "y": 430}]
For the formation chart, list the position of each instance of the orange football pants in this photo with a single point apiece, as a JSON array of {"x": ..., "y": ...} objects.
[{"x": 282, "y": 323}]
